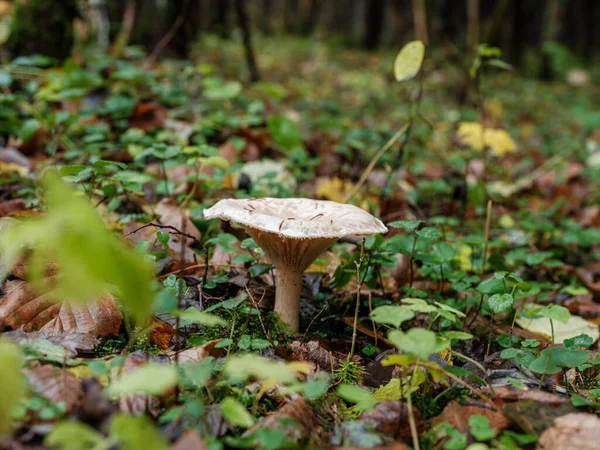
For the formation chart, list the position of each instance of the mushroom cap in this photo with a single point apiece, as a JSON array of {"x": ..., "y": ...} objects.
[{"x": 298, "y": 218}]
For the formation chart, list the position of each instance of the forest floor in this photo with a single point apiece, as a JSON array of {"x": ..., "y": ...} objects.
[{"x": 472, "y": 323}]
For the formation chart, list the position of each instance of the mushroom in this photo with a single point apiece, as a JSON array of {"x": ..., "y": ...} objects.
[{"x": 293, "y": 232}]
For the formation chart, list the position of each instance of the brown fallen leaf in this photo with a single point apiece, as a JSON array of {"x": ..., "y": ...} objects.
[
  {"x": 393, "y": 446},
  {"x": 12, "y": 206},
  {"x": 590, "y": 276},
  {"x": 313, "y": 351},
  {"x": 189, "y": 440},
  {"x": 458, "y": 415},
  {"x": 161, "y": 334},
  {"x": 298, "y": 410},
  {"x": 391, "y": 417},
  {"x": 576, "y": 431},
  {"x": 147, "y": 115},
  {"x": 25, "y": 307},
  {"x": 56, "y": 384},
  {"x": 138, "y": 403}
]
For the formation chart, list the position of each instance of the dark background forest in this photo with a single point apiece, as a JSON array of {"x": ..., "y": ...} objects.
[{"x": 534, "y": 35}]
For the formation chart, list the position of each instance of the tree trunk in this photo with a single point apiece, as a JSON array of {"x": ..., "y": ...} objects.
[
  {"x": 549, "y": 33},
  {"x": 420, "y": 21},
  {"x": 244, "y": 25},
  {"x": 42, "y": 27},
  {"x": 472, "y": 25},
  {"x": 373, "y": 23},
  {"x": 122, "y": 39}
]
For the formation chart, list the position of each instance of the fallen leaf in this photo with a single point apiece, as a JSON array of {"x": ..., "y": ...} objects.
[
  {"x": 391, "y": 417},
  {"x": 579, "y": 431},
  {"x": 510, "y": 394},
  {"x": 298, "y": 410},
  {"x": 458, "y": 415},
  {"x": 56, "y": 384},
  {"x": 75, "y": 342},
  {"x": 11, "y": 206},
  {"x": 198, "y": 353},
  {"x": 312, "y": 351},
  {"x": 477, "y": 137},
  {"x": 25, "y": 307},
  {"x": 161, "y": 334},
  {"x": 190, "y": 440},
  {"x": 573, "y": 327}
]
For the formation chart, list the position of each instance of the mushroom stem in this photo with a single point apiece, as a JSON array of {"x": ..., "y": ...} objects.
[{"x": 288, "y": 286}]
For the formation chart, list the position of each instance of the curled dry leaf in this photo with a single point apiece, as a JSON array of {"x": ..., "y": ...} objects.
[
  {"x": 56, "y": 384},
  {"x": 510, "y": 394},
  {"x": 312, "y": 351},
  {"x": 299, "y": 411},
  {"x": 572, "y": 431},
  {"x": 26, "y": 307},
  {"x": 391, "y": 417}
]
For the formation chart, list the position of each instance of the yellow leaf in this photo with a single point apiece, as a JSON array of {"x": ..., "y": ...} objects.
[
  {"x": 408, "y": 61},
  {"x": 475, "y": 136},
  {"x": 300, "y": 367}
]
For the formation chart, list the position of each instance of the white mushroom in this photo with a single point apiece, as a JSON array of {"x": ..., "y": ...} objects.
[{"x": 293, "y": 232}]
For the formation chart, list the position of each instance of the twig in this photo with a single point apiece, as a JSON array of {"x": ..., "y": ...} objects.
[
  {"x": 262, "y": 324},
  {"x": 164, "y": 41},
  {"x": 313, "y": 319},
  {"x": 358, "y": 289}
]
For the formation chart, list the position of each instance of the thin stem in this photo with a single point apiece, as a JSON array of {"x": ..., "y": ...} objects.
[
  {"x": 358, "y": 289},
  {"x": 288, "y": 286},
  {"x": 411, "y": 417},
  {"x": 549, "y": 356}
]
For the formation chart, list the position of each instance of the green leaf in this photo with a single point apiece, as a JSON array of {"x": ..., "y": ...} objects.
[
  {"x": 192, "y": 315},
  {"x": 285, "y": 132},
  {"x": 153, "y": 378},
  {"x": 417, "y": 341},
  {"x": 391, "y": 314},
  {"x": 236, "y": 413},
  {"x": 429, "y": 233},
  {"x": 419, "y": 305},
  {"x": 480, "y": 428},
  {"x": 354, "y": 394},
  {"x": 501, "y": 302},
  {"x": 408, "y": 225},
  {"x": 583, "y": 340},
  {"x": 136, "y": 433},
  {"x": 11, "y": 384},
  {"x": 70, "y": 435},
  {"x": 408, "y": 61},
  {"x": 556, "y": 312}
]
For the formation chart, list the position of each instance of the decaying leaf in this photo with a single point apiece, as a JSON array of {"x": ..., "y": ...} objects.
[
  {"x": 25, "y": 307},
  {"x": 299, "y": 411},
  {"x": 56, "y": 384},
  {"x": 313, "y": 351},
  {"x": 572, "y": 431},
  {"x": 573, "y": 327},
  {"x": 391, "y": 417},
  {"x": 458, "y": 415},
  {"x": 161, "y": 334},
  {"x": 190, "y": 440}
]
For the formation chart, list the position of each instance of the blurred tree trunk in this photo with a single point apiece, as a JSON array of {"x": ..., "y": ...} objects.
[
  {"x": 420, "y": 21},
  {"x": 244, "y": 25},
  {"x": 127, "y": 23},
  {"x": 494, "y": 25},
  {"x": 310, "y": 22},
  {"x": 373, "y": 23},
  {"x": 549, "y": 33},
  {"x": 472, "y": 25},
  {"x": 219, "y": 22},
  {"x": 290, "y": 16},
  {"x": 183, "y": 17},
  {"x": 42, "y": 27}
]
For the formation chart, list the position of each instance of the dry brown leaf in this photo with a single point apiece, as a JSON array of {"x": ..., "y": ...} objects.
[
  {"x": 508, "y": 393},
  {"x": 12, "y": 206},
  {"x": 313, "y": 351},
  {"x": 578, "y": 431},
  {"x": 189, "y": 440},
  {"x": 24, "y": 307},
  {"x": 458, "y": 415},
  {"x": 138, "y": 403},
  {"x": 74, "y": 342},
  {"x": 161, "y": 334},
  {"x": 56, "y": 384},
  {"x": 590, "y": 275},
  {"x": 391, "y": 417},
  {"x": 299, "y": 410}
]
